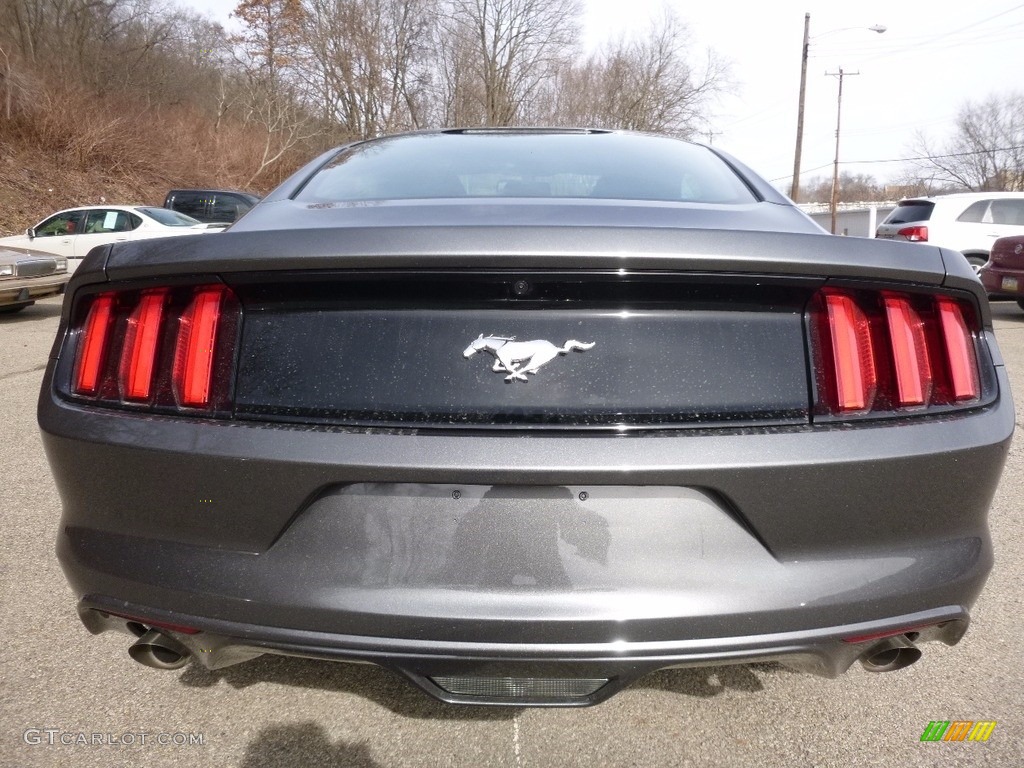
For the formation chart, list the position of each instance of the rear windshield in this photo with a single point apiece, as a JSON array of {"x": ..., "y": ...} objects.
[
  {"x": 557, "y": 165},
  {"x": 169, "y": 218},
  {"x": 913, "y": 210}
]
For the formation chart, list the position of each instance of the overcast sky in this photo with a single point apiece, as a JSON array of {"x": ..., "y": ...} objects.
[{"x": 933, "y": 57}]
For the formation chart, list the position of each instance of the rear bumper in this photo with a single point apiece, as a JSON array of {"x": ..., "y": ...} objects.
[
  {"x": 1002, "y": 282},
  {"x": 611, "y": 666},
  {"x": 522, "y": 557},
  {"x": 29, "y": 289}
]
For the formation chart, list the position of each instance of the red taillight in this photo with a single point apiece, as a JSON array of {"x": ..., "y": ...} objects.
[
  {"x": 917, "y": 234},
  {"x": 911, "y": 366},
  {"x": 193, "y": 358},
  {"x": 138, "y": 356},
  {"x": 960, "y": 354},
  {"x": 881, "y": 351},
  {"x": 161, "y": 348},
  {"x": 853, "y": 357},
  {"x": 92, "y": 346}
]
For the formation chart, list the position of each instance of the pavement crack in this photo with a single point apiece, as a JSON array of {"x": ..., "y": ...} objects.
[{"x": 12, "y": 374}]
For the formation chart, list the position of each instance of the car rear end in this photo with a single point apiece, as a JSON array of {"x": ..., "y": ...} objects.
[
  {"x": 756, "y": 460},
  {"x": 908, "y": 221},
  {"x": 1003, "y": 275},
  {"x": 722, "y": 442}
]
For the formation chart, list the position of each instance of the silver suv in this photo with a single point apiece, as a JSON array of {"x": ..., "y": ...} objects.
[{"x": 968, "y": 222}]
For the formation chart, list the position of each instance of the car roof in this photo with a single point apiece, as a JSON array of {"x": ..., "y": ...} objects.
[
  {"x": 101, "y": 208},
  {"x": 216, "y": 190},
  {"x": 960, "y": 196}
]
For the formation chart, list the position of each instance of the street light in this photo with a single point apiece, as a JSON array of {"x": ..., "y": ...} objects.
[{"x": 879, "y": 28}]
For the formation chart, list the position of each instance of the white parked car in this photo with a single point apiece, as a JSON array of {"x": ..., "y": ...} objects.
[
  {"x": 72, "y": 233},
  {"x": 968, "y": 222}
]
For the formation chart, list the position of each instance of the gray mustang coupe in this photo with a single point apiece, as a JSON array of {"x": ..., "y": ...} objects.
[{"x": 524, "y": 415}]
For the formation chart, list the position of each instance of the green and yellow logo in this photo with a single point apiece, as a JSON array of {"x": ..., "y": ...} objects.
[{"x": 958, "y": 730}]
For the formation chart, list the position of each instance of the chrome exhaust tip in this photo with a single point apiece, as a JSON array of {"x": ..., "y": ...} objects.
[
  {"x": 159, "y": 651},
  {"x": 890, "y": 654}
]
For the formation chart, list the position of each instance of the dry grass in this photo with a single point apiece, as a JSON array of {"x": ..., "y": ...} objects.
[{"x": 71, "y": 148}]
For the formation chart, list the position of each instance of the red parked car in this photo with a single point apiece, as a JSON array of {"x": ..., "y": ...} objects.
[{"x": 1004, "y": 272}]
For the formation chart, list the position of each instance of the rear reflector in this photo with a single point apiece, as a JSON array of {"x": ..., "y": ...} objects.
[
  {"x": 537, "y": 689},
  {"x": 882, "y": 351},
  {"x": 885, "y": 633},
  {"x": 185, "y": 630},
  {"x": 168, "y": 348}
]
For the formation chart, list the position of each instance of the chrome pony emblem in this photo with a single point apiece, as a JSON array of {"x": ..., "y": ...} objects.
[{"x": 518, "y": 358}]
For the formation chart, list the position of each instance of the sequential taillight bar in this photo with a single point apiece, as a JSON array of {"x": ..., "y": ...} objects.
[
  {"x": 166, "y": 347},
  {"x": 888, "y": 351},
  {"x": 93, "y": 345}
]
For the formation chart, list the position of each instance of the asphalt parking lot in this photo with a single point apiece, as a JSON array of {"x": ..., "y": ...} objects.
[{"x": 66, "y": 697}]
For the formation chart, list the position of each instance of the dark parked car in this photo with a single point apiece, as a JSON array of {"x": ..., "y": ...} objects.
[
  {"x": 211, "y": 205},
  {"x": 1003, "y": 275},
  {"x": 524, "y": 415}
]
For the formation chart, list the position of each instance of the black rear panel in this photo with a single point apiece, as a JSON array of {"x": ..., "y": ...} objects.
[{"x": 391, "y": 350}]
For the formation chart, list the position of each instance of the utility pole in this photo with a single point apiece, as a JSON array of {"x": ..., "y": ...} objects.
[
  {"x": 835, "y": 165},
  {"x": 804, "y": 51},
  {"x": 795, "y": 189}
]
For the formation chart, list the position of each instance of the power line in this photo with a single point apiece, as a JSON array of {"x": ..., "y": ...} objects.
[
  {"x": 940, "y": 157},
  {"x": 926, "y": 42},
  {"x": 906, "y": 159}
]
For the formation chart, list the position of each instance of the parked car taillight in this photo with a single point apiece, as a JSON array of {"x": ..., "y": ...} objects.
[
  {"x": 163, "y": 348},
  {"x": 918, "y": 234},
  {"x": 887, "y": 351}
]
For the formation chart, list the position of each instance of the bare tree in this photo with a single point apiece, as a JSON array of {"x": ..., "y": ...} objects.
[
  {"x": 268, "y": 50},
  {"x": 644, "y": 83},
  {"x": 853, "y": 188},
  {"x": 13, "y": 82},
  {"x": 25, "y": 22},
  {"x": 366, "y": 62},
  {"x": 499, "y": 54},
  {"x": 986, "y": 151},
  {"x": 270, "y": 40},
  {"x": 457, "y": 89}
]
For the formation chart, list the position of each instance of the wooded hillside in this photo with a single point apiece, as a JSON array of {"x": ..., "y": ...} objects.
[{"x": 124, "y": 99}]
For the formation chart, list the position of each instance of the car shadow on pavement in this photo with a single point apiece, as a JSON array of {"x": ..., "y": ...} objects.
[
  {"x": 303, "y": 744},
  {"x": 382, "y": 686},
  {"x": 1006, "y": 311},
  {"x": 706, "y": 682},
  {"x": 38, "y": 311},
  {"x": 390, "y": 690}
]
